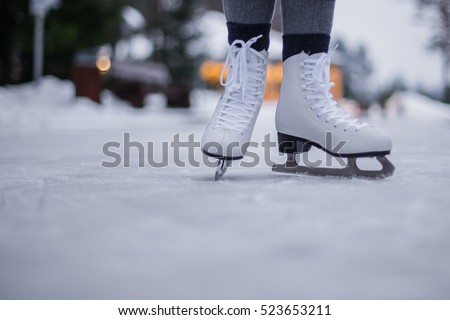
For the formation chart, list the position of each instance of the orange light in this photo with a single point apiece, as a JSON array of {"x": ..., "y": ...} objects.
[
  {"x": 210, "y": 73},
  {"x": 103, "y": 63}
]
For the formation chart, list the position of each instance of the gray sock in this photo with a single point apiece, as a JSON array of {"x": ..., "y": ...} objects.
[
  {"x": 307, "y": 16},
  {"x": 249, "y": 11}
]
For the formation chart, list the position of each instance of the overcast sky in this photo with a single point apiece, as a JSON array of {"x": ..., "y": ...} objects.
[{"x": 396, "y": 39}]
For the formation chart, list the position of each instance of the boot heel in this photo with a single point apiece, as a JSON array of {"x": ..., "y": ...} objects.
[{"x": 291, "y": 144}]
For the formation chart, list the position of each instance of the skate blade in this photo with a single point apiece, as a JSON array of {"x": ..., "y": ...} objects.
[
  {"x": 222, "y": 165},
  {"x": 349, "y": 171}
]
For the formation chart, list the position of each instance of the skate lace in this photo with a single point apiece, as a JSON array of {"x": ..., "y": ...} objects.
[
  {"x": 317, "y": 79},
  {"x": 243, "y": 87}
]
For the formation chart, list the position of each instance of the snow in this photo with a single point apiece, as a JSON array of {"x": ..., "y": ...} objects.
[
  {"x": 72, "y": 229},
  {"x": 416, "y": 106}
]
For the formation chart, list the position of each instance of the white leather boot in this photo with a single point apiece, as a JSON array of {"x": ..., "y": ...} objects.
[
  {"x": 230, "y": 128},
  {"x": 307, "y": 115},
  {"x": 306, "y": 110}
]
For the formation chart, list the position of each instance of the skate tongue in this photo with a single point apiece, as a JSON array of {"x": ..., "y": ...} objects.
[
  {"x": 238, "y": 58},
  {"x": 321, "y": 84},
  {"x": 242, "y": 85},
  {"x": 321, "y": 71}
]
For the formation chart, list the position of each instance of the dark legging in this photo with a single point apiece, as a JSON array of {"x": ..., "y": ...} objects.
[
  {"x": 299, "y": 16},
  {"x": 306, "y": 23}
]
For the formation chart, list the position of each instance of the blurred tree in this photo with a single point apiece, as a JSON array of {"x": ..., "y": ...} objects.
[
  {"x": 357, "y": 69},
  {"x": 75, "y": 25},
  {"x": 15, "y": 54},
  {"x": 174, "y": 34},
  {"x": 440, "y": 40}
]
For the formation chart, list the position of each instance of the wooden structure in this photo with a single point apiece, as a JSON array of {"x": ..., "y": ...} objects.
[{"x": 210, "y": 73}]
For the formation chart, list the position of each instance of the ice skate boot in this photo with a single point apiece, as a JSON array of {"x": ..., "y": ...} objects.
[
  {"x": 229, "y": 131},
  {"x": 307, "y": 115}
]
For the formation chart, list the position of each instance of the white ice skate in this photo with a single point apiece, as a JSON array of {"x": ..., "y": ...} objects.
[
  {"x": 307, "y": 115},
  {"x": 230, "y": 128}
]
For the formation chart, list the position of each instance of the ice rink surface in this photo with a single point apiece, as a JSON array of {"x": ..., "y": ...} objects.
[{"x": 72, "y": 229}]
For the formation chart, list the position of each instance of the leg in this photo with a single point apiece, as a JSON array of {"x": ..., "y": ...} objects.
[
  {"x": 306, "y": 26},
  {"x": 229, "y": 131},
  {"x": 307, "y": 114},
  {"x": 249, "y": 19}
]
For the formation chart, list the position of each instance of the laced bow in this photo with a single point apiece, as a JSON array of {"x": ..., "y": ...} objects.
[{"x": 243, "y": 85}]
